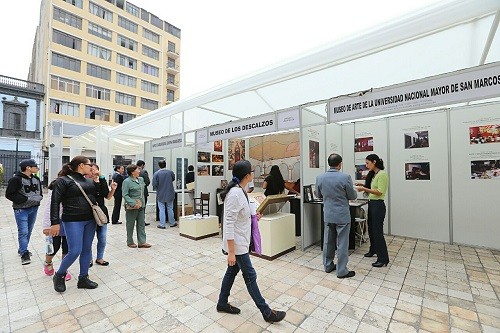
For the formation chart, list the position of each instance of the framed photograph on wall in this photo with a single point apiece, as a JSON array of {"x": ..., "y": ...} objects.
[
  {"x": 418, "y": 171},
  {"x": 218, "y": 170},
  {"x": 203, "y": 169},
  {"x": 313, "y": 154},
  {"x": 417, "y": 140},
  {"x": 204, "y": 157},
  {"x": 236, "y": 151},
  {"x": 363, "y": 144},
  {"x": 223, "y": 183}
]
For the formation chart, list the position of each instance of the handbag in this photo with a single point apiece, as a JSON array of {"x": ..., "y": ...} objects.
[
  {"x": 99, "y": 216},
  {"x": 138, "y": 204}
]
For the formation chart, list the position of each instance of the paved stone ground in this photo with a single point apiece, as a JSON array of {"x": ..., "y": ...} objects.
[{"x": 173, "y": 287}]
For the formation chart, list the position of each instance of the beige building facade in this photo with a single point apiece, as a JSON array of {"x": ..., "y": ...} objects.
[{"x": 103, "y": 62}]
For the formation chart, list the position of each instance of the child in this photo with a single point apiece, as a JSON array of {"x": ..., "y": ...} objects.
[{"x": 57, "y": 241}]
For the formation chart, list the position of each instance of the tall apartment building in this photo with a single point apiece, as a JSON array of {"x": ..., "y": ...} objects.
[{"x": 102, "y": 62}]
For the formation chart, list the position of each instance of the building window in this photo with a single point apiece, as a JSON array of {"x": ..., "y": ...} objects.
[
  {"x": 148, "y": 34},
  {"x": 156, "y": 22},
  {"x": 149, "y": 52},
  {"x": 77, "y": 3},
  {"x": 60, "y": 60},
  {"x": 145, "y": 15},
  {"x": 149, "y": 87},
  {"x": 172, "y": 30},
  {"x": 66, "y": 108},
  {"x": 100, "y": 11},
  {"x": 150, "y": 69},
  {"x": 98, "y": 92},
  {"x": 120, "y": 4},
  {"x": 99, "y": 72},
  {"x": 171, "y": 63},
  {"x": 125, "y": 99},
  {"x": 126, "y": 80},
  {"x": 92, "y": 112},
  {"x": 67, "y": 18},
  {"x": 98, "y": 51},
  {"x": 121, "y": 117},
  {"x": 97, "y": 30},
  {"x": 111, "y": 1},
  {"x": 59, "y": 37},
  {"x": 171, "y": 47},
  {"x": 126, "y": 24},
  {"x": 170, "y": 95},
  {"x": 59, "y": 83},
  {"x": 149, "y": 104},
  {"x": 127, "y": 43},
  {"x": 130, "y": 8},
  {"x": 170, "y": 78},
  {"x": 126, "y": 61}
]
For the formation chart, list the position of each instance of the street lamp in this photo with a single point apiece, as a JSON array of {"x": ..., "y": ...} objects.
[{"x": 17, "y": 135}]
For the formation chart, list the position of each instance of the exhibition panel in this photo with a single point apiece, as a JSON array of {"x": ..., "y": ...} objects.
[
  {"x": 475, "y": 160},
  {"x": 419, "y": 177}
]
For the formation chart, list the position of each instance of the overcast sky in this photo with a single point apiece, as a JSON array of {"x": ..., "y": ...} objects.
[{"x": 224, "y": 39}]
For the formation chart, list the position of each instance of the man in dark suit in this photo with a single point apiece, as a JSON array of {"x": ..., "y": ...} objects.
[
  {"x": 336, "y": 189},
  {"x": 144, "y": 174}
]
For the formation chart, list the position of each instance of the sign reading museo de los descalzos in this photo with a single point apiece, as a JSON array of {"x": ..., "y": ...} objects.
[
  {"x": 470, "y": 84},
  {"x": 241, "y": 128}
]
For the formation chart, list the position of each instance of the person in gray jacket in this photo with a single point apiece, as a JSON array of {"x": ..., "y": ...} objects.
[
  {"x": 165, "y": 194},
  {"x": 336, "y": 189},
  {"x": 25, "y": 192}
]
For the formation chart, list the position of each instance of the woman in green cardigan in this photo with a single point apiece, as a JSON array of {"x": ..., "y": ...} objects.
[{"x": 133, "y": 197}]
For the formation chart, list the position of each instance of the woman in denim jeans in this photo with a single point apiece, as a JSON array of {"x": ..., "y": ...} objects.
[
  {"x": 102, "y": 191},
  {"x": 236, "y": 242}
]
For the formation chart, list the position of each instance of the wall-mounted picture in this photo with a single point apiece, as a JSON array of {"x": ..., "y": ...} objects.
[
  {"x": 484, "y": 134},
  {"x": 313, "y": 154},
  {"x": 417, "y": 140},
  {"x": 236, "y": 151},
  {"x": 363, "y": 144},
  {"x": 361, "y": 172},
  {"x": 223, "y": 183},
  {"x": 203, "y": 170},
  {"x": 204, "y": 157},
  {"x": 217, "y": 158},
  {"x": 485, "y": 169},
  {"x": 418, "y": 171},
  {"x": 218, "y": 145},
  {"x": 217, "y": 170}
]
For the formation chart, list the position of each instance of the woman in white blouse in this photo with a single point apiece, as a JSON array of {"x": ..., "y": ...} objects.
[{"x": 236, "y": 243}]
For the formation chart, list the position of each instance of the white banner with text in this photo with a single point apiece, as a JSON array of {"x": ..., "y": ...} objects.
[
  {"x": 166, "y": 142},
  {"x": 241, "y": 128},
  {"x": 470, "y": 84}
]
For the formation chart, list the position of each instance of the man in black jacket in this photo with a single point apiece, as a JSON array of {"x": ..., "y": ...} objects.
[
  {"x": 144, "y": 174},
  {"x": 25, "y": 192}
]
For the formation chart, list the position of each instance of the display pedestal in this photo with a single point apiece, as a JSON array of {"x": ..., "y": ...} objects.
[
  {"x": 277, "y": 232},
  {"x": 198, "y": 227}
]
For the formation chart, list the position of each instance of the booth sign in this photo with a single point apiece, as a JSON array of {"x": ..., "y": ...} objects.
[{"x": 241, "y": 128}]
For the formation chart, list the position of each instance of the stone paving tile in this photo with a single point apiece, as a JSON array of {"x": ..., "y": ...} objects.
[{"x": 174, "y": 287}]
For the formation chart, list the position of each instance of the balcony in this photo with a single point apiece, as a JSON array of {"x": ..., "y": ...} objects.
[
  {"x": 173, "y": 68},
  {"x": 173, "y": 84},
  {"x": 12, "y": 84},
  {"x": 6, "y": 132},
  {"x": 173, "y": 54}
]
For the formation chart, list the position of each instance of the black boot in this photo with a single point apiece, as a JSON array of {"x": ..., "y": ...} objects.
[
  {"x": 59, "y": 283},
  {"x": 86, "y": 283}
]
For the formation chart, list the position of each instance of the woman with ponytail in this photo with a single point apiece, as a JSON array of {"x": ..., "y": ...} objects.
[
  {"x": 376, "y": 186},
  {"x": 236, "y": 241},
  {"x": 76, "y": 218}
]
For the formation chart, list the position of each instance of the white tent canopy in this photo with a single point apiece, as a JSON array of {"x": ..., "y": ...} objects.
[{"x": 445, "y": 37}]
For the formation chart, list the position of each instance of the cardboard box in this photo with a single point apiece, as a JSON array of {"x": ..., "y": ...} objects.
[{"x": 188, "y": 210}]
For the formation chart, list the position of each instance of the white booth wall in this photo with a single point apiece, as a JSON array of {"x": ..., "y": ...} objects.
[
  {"x": 420, "y": 208},
  {"x": 475, "y": 203}
]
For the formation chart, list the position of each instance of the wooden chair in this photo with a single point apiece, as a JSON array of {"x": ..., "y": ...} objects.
[{"x": 201, "y": 205}]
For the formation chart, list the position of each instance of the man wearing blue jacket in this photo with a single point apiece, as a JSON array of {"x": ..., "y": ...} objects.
[
  {"x": 336, "y": 189},
  {"x": 25, "y": 192},
  {"x": 165, "y": 194}
]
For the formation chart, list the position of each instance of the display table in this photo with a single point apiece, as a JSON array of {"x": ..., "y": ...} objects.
[
  {"x": 277, "y": 232},
  {"x": 197, "y": 227}
]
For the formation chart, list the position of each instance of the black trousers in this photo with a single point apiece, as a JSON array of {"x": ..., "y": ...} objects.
[
  {"x": 115, "y": 217},
  {"x": 376, "y": 216}
]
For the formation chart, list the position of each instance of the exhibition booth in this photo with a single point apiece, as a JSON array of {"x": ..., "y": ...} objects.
[{"x": 433, "y": 121}]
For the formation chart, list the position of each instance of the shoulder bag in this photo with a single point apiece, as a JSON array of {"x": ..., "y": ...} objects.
[{"x": 99, "y": 216}]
